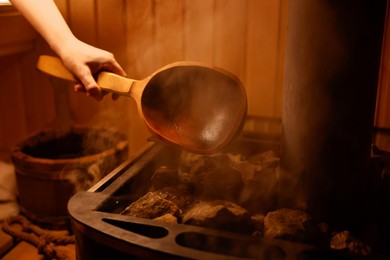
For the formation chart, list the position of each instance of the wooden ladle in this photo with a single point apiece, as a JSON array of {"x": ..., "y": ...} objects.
[{"x": 192, "y": 105}]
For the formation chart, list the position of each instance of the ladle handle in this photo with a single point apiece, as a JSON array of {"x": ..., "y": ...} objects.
[{"x": 106, "y": 80}]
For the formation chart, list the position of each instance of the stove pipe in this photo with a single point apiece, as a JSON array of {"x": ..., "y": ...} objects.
[{"x": 331, "y": 75}]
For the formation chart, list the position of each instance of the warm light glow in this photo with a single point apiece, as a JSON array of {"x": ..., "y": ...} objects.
[{"x": 4, "y": 2}]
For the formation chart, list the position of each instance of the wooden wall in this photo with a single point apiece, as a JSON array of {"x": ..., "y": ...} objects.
[
  {"x": 245, "y": 37},
  {"x": 382, "y": 117}
]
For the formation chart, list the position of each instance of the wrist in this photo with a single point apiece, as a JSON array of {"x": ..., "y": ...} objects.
[{"x": 63, "y": 46}]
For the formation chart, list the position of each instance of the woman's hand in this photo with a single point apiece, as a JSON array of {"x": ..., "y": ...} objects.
[{"x": 85, "y": 62}]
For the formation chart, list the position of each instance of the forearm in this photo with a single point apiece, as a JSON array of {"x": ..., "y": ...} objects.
[
  {"x": 45, "y": 17},
  {"x": 82, "y": 59}
]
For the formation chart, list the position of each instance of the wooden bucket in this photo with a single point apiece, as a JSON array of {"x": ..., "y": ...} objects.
[{"x": 49, "y": 170}]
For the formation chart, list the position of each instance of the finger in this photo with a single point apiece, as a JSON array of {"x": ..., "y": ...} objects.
[
  {"x": 115, "y": 96},
  {"x": 114, "y": 67},
  {"x": 79, "y": 88},
  {"x": 90, "y": 84},
  {"x": 94, "y": 91},
  {"x": 105, "y": 92}
]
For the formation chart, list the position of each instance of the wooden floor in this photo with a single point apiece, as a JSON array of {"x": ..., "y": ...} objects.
[{"x": 10, "y": 249}]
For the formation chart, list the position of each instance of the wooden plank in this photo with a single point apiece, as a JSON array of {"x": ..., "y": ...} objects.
[
  {"x": 41, "y": 109},
  {"x": 82, "y": 20},
  {"x": 382, "y": 140},
  {"x": 382, "y": 116},
  {"x": 38, "y": 97},
  {"x": 262, "y": 52},
  {"x": 382, "y": 113},
  {"x": 15, "y": 29},
  {"x": 168, "y": 31},
  {"x": 17, "y": 34},
  {"x": 17, "y": 39},
  {"x": 111, "y": 25},
  {"x": 111, "y": 32},
  {"x": 229, "y": 35},
  {"x": 6, "y": 242},
  {"x": 64, "y": 119},
  {"x": 111, "y": 28},
  {"x": 82, "y": 108},
  {"x": 12, "y": 105},
  {"x": 154, "y": 39},
  {"x": 140, "y": 28},
  {"x": 279, "y": 81},
  {"x": 140, "y": 56},
  {"x": 23, "y": 251},
  {"x": 198, "y": 30},
  {"x": 16, "y": 48},
  {"x": 62, "y": 5}
]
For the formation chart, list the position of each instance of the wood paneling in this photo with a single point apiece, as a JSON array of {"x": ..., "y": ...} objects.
[
  {"x": 140, "y": 54},
  {"x": 382, "y": 116},
  {"x": 38, "y": 96},
  {"x": 14, "y": 29},
  {"x": 230, "y": 35},
  {"x": 140, "y": 38},
  {"x": 17, "y": 35},
  {"x": 82, "y": 17},
  {"x": 382, "y": 119},
  {"x": 265, "y": 43},
  {"x": 198, "y": 30},
  {"x": 245, "y": 37},
  {"x": 111, "y": 28},
  {"x": 168, "y": 31},
  {"x": 111, "y": 36},
  {"x": 12, "y": 107}
]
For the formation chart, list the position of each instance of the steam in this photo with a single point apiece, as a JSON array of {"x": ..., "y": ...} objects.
[
  {"x": 84, "y": 177},
  {"x": 109, "y": 148}
]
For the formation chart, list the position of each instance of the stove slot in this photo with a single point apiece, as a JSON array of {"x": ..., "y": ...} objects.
[{"x": 141, "y": 229}]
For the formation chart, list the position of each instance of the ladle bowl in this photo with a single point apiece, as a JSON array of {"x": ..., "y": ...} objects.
[{"x": 192, "y": 105}]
